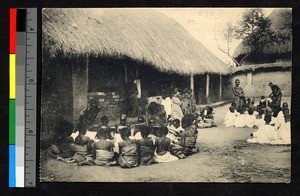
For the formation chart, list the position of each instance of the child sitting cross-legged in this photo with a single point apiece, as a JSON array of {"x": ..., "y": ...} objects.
[
  {"x": 175, "y": 131},
  {"x": 128, "y": 150},
  {"x": 81, "y": 147},
  {"x": 250, "y": 119},
  {"x": 230, "y": 117},
  {"x": 189, "y": 136},
  {"x": 146, "y": 147},
  {"x": 163, "y": 144},
  {"x": 103, "y": 149}
]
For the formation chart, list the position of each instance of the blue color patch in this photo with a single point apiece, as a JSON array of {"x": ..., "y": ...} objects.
[{"x": 12, "y": 166}]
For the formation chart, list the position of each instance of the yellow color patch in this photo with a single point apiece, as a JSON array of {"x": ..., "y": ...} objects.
[{"x": 12, "y": 76}]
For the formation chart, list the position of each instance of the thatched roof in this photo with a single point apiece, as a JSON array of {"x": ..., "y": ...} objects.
[
  {"x": 263, "y": 67},
  {"x": 141, "y": 34},
  {"x": 280, "y": 20}
]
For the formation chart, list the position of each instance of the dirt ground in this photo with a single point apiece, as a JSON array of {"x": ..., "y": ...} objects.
[{"x": 224, "y": 156}]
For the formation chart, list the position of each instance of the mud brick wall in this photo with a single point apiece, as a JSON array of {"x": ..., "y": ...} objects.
[
  {"x": 260, "y": 87},
  {"x": 110, "y": 103}
]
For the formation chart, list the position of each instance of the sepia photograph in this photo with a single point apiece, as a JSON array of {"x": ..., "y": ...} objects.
[{"x": 166, "y": 95}]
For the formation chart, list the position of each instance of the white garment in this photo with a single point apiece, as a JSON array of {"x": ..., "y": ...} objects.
[
  {"x": 250, "y": 121},
  {"x": 265, "y": 135},
  {"x": 229, "y": 119},
  {"x": 240, "y": 120},
  {"x": 117, "y": 139},
  {"x": 260, "y": 122},
  {"x": 284, "y": 133},
  {"x": 279, "y": 120},
  {"x": 164, "y": 158},
  {"x": 167, "y": 103},
  {"x": 90, "y": 134}
]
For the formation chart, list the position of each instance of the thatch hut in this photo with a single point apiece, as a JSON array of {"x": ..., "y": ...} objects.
[
  {"x": 273, "y": 64},
  {"x": 281, "y": 22},
  {"x": 96, "y": 51},
  {"x": 255, "y": 78}
]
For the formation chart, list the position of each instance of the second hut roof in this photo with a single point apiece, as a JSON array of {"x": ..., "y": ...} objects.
[{"x": 143, "y": 35}]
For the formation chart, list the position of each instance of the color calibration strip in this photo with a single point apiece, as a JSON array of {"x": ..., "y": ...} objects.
[
  {"x": 22, "y": 97},
  {"x": 17, "y": 49},
  {"x": 12, "y": 96}
]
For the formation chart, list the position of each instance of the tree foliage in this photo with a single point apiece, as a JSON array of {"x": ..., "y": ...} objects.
[{"x": 255, "y": 30}]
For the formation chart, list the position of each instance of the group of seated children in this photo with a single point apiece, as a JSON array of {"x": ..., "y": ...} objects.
[
  {"x": 276, "y": 130},
  {"x": 251, "y": 116},
  {"x": 130, "y": 146},
  {"x": 272, "y": 128},
  {"x": 205, "y": 117}
]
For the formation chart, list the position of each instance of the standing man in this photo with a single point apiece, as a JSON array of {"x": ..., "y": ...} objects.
[
  {"x": 275, "y": 97},
  {"x": 239, "y": 94}
]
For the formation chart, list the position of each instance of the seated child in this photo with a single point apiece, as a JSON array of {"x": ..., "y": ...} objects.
[
  {"x": 104, "y": 124},
  {"x": 103, "y": 149},
  {"x": 240, "y": 120},
  {"x": 163, "y": 144},
  {"x": 123, "y": 120},
  {"x": 136, "y": 129},
  {"x": 284, "y": 131},
  {"x": 189, "y": 136},
  {"x": 153, "y": 128},
  {"x": 81, "y": 147},
  {"x": 128, "y": 150},
  {"x": 259, "y": 119},
  {"x": 264, "y": 134},
  {"x": 206, "y": 119},
  {"x": 263, "y": 103},
  {"x": 280, "y": 117},
  {"x": 250, "y": 119},
  {"x": 230, "y": 117},
  {"x": 248, "y": 103},
  {"x": 146, "y": 147},
  {"x": 175, "y": 131},
  {"x": 61, "y": 145}
]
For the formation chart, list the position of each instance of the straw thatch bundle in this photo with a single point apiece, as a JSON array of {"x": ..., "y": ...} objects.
[
  {"x": 263, "y": 67},
  {"x": 281, "y": 20},
  {"x": 141, "y": 34}
]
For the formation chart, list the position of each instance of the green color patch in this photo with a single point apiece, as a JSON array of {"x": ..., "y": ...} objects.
[{"x": 12, "y": 121}]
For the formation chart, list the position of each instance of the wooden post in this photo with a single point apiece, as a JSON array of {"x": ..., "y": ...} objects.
[
  {"x": 207, "y": 86},
  {"x": 125, "y": 73},
  {"x": 192, "y": 84},
  {"x": 220, "y": 90},
  {"x": 80, "y": 87}
]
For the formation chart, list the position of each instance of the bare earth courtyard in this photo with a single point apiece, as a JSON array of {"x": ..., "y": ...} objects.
[{"x": 224, "y": 156}]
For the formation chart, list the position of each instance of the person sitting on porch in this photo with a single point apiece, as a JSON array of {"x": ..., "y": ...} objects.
[
  {"x": 146, "y": 147},
  {"x": 103, "y": 149},
  {"x": 128, "y": 150},
  {"x": 163, "y": 144}
]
